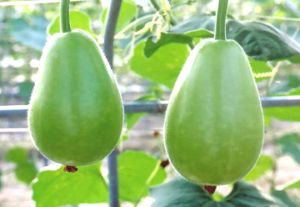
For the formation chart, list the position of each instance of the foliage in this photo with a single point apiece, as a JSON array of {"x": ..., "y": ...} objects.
[
  {"x": 263, "y": 165},
  {"x": 54, "y": 188},
  {"x": 289, "y": 144},
  {"x": 182, "y": 193},
  {"x": 78, "y": 20},
  {"x": 25, "y": 169},
  {"x": 137, "y": 172}
]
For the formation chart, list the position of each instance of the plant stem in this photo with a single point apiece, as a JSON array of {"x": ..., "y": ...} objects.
[
  {"x": 220, "y": 29},
  {"x": 64, "y": 16},
  {"x": 157, "y": 8}
]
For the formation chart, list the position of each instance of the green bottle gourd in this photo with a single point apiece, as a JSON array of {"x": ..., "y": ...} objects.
[
  {"x": 76, "y": 112},
  {"x": 214, "y": 121}
]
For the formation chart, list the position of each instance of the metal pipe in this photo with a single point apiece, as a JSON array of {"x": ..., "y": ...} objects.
[
  {"x": 110, "y": 28},
  {"x": 156, "y": 106}
]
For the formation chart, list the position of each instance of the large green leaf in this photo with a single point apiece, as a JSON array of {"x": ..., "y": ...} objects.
[
  {"x": 292, "y": 185},
  {"x": 161, "y": 62},
  {"x": 165, "y": 39},
  {"x": 78, "y": 20},
  {"x": 181, "y": 193},
  {"x": 25, "y": 170},
  {"x": 260, "y": 40},
  {"x": 285, "y": 198},
  {"x": 54, "y": 187},
  {"x": 247, "y": 195},
  {"x": 263, "y": 41},
  {"x": 203, "y": 25},
  {"x": 263, "y": 165},
  {"x": 137, "y": 172},
  {"x": 163, "y": 66},
  {"x": 290, "y": 145}
]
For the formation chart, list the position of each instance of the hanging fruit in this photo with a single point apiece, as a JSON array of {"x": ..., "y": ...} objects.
[
  {"x": 214, "y": 121},
  {"x": 76, "y": 113}
]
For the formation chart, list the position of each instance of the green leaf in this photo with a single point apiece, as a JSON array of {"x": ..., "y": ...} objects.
[
  {"x": 260, "y": 68},
  {"x": 291, "y": 113},
  {"x": 163, "y": 66},
  {"x": 127, "y": 13},
  {"x": 25, "y": 170},
  {"x": 0, "y": 180},
  {"x": 54, "y": 188},
  {"x": 292, "y": 185},
  {"x": 244, "y": 194},
  {"x": 200, "y": 33},
  {"x": 199, "y": 26},
  {"x": 78, "y": 20},
  {"x": 181, "y": 193},
  {"x": 165, "y": 39},
  {"x": 17, "y": 155},
  {"x": 25, "y": 89},
  {"x": 263, "y": 41},
  {"x": 286, "y": 87},
  {"x": 290, "y": 145},
  {"x": 132, "y": 119},
  {"x": 260, "y": 40},
  {"x": 29, "y": 33},
  {"x": 137, "y": 172},
  {"x": 286, "y": 198},
  {"x": 263, "y": 165}
]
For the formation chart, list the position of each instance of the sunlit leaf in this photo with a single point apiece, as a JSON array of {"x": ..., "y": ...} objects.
[
  {"x": 163, "y": 66},
  {"x": 78, "y": 20},
  {"x": 263, "y": 165},
  {"x": 55, "y": 187},
  {"x": 25, "y": 169},
  {"x": 137, "y": 172}
]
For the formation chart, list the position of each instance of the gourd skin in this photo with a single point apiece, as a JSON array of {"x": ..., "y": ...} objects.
[
  {"x": 76, "y": 113},
  {"x": 214, "y": 122}
]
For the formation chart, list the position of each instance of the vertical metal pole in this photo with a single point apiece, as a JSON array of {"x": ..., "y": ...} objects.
[{"x": 110, "y": 28}]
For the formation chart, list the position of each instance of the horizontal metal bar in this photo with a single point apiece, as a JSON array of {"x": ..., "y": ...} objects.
[
  {"x": 156, "y": 107},
  {"x": 280, "y": 101},
  {"x": 26, "y": 3},
  {"x": 14, "y": 130}
]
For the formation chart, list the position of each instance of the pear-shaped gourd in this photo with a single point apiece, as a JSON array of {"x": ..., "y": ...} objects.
[
  {"x": 214, "y": 122},
  {"x": 76, "y": 113}
]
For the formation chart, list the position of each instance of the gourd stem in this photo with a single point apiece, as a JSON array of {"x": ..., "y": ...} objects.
[
  {"x": 220, "y": 29},
  {"x": 64, "y": 16}
]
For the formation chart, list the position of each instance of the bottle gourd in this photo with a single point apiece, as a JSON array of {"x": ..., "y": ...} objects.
[
  {"x": 76, "y": 113},
  {"x": 214, "y": 121}
]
